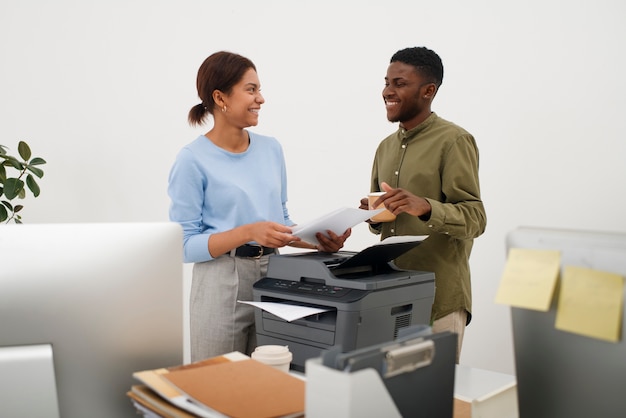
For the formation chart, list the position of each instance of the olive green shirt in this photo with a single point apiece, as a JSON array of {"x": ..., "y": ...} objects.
[{"x": 436, "y": 160}]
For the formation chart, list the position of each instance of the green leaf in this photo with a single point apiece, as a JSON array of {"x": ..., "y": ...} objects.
[
  {"x": 36, "y": 171},
  {"x": 37, "y": 161},
  {"x": 24, "y": 150},
  {"x": 32, "y": 185},
  {"x": 13, "y": 187},
  {"x": 3, "y": 214},
  {"x": 14, "y": 162}
]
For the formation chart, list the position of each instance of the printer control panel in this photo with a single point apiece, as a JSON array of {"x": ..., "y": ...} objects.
[{"x": 309, "y": 289}]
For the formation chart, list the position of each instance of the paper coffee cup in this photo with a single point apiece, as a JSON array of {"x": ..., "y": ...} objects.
[
  {"x": 277, "y": 356},
  {"x": 384, "y": 216}
]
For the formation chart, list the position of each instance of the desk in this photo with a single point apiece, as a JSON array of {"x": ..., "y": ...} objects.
[{"x": 482, "y": 393}]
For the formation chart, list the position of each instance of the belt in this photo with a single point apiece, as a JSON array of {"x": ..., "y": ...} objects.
[{"x": 253, "y": 251}]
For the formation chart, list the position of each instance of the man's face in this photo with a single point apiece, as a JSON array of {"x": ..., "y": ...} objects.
[{"x": 404, "y": 93}]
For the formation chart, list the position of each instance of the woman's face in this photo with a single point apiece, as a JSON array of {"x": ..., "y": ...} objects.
[{"x": 244, "y": 101}]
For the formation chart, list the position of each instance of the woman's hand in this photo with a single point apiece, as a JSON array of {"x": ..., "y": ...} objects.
[{"x": 271, "y": 234}]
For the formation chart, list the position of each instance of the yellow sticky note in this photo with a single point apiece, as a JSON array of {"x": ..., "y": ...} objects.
[
  {"x": 529, "y": 278},
  {"x": 591, "y": 303}
]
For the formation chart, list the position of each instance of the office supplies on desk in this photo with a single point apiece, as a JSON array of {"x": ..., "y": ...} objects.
[
  {"x": 231, "y": 385},
  {"x": 410, "y": 377},
  {"x": 242, "y": 389},
  {"x": 156, "y": 382},
  {"x": 149, "y": 404}
]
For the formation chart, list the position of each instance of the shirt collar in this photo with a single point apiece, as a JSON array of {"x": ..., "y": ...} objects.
[{"x": 404, "y": 133}]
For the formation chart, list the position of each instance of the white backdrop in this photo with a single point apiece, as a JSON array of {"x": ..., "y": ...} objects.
[{"x": 101, "y": 90}]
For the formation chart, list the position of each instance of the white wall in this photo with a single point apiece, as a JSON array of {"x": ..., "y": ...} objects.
[{"x": 102, "y": 89}]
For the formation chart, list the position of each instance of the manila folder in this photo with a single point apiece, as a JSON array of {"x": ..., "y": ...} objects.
[{"x": 245, "y": 388}]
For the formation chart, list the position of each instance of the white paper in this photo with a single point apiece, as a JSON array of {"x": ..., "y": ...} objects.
[
  {"x": 337, "y": 221},
  {"x": 396, "y": 239},
  {"x": 286, "y": 311}
]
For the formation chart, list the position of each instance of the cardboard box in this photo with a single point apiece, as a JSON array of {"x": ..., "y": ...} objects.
[{"x": 482, "y": 393}]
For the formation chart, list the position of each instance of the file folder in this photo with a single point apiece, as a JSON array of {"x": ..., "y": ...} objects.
[{"x": 412, "y": 376}]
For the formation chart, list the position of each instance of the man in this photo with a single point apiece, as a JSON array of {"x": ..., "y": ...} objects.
[{"x": 429, "y": 171}]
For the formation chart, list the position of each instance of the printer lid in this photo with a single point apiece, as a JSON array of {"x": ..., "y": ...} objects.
[
  {"x": 382, "y": 253},
  {"x": 369, "y": 269}
]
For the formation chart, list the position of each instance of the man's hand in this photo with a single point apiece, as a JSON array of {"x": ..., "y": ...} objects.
[
  {"x": 398, "y": 201},
  {"x": 333, "y": 242}
]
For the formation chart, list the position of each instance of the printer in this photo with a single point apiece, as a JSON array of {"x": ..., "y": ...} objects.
[{"x": 365, "y": 299}]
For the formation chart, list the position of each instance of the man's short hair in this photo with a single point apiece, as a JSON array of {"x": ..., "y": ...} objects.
[{"x": 424, "y": 60}]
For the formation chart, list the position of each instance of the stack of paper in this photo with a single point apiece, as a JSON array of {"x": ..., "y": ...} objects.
[
  {"x": 232, "y": 385},
  {"x": 337, "y": 221}
]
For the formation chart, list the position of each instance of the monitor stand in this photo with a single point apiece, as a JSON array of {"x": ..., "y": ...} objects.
[{"x": 27, "y": 383}]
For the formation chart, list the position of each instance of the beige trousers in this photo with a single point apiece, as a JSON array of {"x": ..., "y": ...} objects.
[
  {"x": 454, "y": 322},
  {"x": 218, "y": 323}
]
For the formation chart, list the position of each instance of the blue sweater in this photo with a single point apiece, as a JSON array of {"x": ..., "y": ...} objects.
[{"x": 213, "y": 190}]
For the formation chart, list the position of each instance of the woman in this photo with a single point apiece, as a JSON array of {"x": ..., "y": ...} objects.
[{"x": 228, "y": 190}]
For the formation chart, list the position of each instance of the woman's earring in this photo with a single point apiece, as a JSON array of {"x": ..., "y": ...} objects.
[{"x": 224, "y": 108}]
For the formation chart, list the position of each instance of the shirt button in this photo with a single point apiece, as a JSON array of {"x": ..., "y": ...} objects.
[
  {"x": 403, "y": 145},
  {"x": 430, "y": 226},
  {"x": 396, "y": 173},
  {"x": 393, "y": 230}
]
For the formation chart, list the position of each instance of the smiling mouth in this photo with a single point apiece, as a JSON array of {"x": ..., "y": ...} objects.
[{"x": 390, "y": 103}]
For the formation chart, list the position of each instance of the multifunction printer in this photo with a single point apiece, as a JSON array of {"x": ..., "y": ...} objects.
[{"x": 365, "y": 299}]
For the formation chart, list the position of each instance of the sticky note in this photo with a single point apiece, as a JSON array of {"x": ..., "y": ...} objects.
[
  {"x": 591, "y": 303},
  {"x": 529, "y": 278}
]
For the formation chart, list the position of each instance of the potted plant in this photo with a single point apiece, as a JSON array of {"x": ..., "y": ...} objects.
[{"x": 13, "y": 186}]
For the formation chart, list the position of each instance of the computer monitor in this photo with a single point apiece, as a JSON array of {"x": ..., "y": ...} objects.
[
  {"x": 82, "y": 307},
  {"x": 561, "y": 374}
]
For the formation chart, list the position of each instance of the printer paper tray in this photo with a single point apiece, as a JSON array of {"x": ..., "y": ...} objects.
[{"x": 313, "y": 331}]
